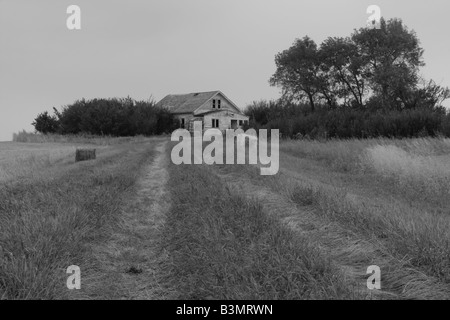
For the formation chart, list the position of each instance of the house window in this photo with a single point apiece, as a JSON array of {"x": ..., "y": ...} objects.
[
  {"x": 241, "y": 122},
  {"x": 215, "y": 123},
  {"x": 182, "y": 123},
  {"x": 218, "y": 104},
  {"x": 214, "y": 103}
]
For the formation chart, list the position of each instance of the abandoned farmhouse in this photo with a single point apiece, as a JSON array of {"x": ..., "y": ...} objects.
[{"x": 212, "y": 108}]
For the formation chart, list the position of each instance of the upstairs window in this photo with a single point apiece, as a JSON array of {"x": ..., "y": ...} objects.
[
  {"x": 182, "y": 123},
  {"x": 218, "y": 104},
  {"x": 214, "y": 103}
]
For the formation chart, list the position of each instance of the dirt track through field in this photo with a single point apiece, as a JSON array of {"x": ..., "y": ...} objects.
[
  {"x": 349, "y": 252},
  {"x": 131, "y": 264}
]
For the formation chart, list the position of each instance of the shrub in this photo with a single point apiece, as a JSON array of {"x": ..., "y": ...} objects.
[
  {"x": 345, "y": 122},
  {"x": 46, "y": 123},
  {"x": 112, "y": 117}
]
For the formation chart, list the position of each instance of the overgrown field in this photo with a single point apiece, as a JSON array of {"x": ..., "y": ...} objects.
[
  {"x": 335, "y": 208},
  {"x": 414, "y": 167},
  {"x": 311, "y": 231},
  {"x": 53, "y": 209},
  {"x": 225, "y": 246},
  {"x": 394, "y": 193}
]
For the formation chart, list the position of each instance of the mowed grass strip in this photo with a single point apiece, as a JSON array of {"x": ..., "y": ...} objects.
[
  {"x": 418, "y": 170},
  {"x": 419, "y": 241},
  {"x": 48, "y": 224},
  {"x": 223, "y": 246}
]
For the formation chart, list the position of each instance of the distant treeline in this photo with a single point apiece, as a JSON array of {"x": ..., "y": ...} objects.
[
  {"x": 298, "y": 121},
  {"x": 365, "y": 85},
  {"x": 117, "y": 117}
]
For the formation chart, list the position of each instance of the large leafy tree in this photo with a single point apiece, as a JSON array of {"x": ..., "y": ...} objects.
[
  {"x": 343, "y": 67},
  {"x": 375, "y": 68},
  {"x": 391, "y": 57},
  {"x": 298, "y": 71}
]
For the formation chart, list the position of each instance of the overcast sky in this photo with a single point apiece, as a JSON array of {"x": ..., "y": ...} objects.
[{"x": 146, "y": 48}]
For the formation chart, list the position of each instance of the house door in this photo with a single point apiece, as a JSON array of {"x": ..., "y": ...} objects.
[{"x": 234, "y": 124}]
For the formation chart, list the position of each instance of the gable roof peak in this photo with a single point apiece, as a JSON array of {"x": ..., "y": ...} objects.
[{"x": 188, "y": 102}]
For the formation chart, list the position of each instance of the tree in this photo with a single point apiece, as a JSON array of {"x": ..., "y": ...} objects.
[
  {"x": 391, "y": 57},
  {"x": 343, "y": 66},
  {"x": 71, "y": 116},
  {"x": 374, "y": 67},
  {"x": 298, "y": 70},
  {"x": 44, "y": 123},
  {"x": 428, "y": 95}
]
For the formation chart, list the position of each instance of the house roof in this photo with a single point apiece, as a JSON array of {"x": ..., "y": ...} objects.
[{"x": 186, "y": 103}]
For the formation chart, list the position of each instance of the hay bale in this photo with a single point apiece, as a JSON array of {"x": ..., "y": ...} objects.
[{"x": 84, "y": 154}]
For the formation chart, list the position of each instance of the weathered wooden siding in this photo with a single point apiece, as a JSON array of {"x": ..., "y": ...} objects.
[
  {"x": 224, "y": 118},
  {"x": 225, "y": 104}
]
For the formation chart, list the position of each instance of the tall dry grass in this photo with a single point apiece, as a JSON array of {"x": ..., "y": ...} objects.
[
  {"x": 49, "y": 220},
  {"x": 225, "y": 246},
  {"x": 345, "y": 155},
  {"x": 24, "y": 136},
  {"x": 27, "y": 160},
  {"x": 418, "y": 171},
  {"x": 341, "y": 155},
  {"x": 412, "y": 246}
]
